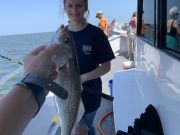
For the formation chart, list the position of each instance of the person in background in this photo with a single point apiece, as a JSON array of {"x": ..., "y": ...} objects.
[
  {"x": 133, "y": 22},
  {"x": 94, "y": 55},
  {"x": 173, "y": 28},
  {"x": 103, "y": 22},
  {"x": 23, "y": 102}
]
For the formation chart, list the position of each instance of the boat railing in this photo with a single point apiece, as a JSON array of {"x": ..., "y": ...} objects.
[
  {"x": 114, "y": 38},
  {"x": 122, "y": 42}
]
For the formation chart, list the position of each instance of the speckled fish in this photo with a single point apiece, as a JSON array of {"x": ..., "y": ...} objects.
[{"x": 71, "y": 109}]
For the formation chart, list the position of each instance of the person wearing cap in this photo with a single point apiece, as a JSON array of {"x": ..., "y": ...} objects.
[
  {"x": 173, "y": 28},
  {"x": 102, "y": 23}
]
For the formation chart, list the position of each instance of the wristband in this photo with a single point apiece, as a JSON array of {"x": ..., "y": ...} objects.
[
  {"x": 38, "y": 93},
  {"x": 37, "y": 84},
  {"x": 45, "y": 83}
]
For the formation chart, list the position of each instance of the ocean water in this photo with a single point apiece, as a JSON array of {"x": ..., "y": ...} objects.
[{"x": 15, "y": 47}]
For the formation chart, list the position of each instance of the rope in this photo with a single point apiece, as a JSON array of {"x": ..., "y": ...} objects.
[
  {"x": 4, "y": 57},
  {"x": 101, "y": 120}
]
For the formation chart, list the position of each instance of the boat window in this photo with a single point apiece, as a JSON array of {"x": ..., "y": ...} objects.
[
  {"x": 148, "y": 21},
  {"x": 173, "y": 25}
]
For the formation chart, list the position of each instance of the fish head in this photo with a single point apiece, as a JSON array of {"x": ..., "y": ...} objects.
[{"x": 64, "y": 40}]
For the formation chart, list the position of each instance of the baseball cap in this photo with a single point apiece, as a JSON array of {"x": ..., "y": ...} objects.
[{"x": 99, "y": 12}]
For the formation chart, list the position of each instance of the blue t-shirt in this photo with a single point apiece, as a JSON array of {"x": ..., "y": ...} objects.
[{"x": 92, "y": 49}]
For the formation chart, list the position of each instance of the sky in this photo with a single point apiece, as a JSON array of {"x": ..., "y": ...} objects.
[{"x": 34, "y": 16}]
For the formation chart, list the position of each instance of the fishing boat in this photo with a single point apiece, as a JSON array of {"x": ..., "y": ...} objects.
[{"x": 151, "y": 77}]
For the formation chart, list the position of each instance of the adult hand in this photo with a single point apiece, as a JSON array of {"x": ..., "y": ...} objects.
[{"x": 39, "y": 61}]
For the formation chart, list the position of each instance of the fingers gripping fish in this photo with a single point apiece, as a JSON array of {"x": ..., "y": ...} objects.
[{"x": 70, "y": 109}]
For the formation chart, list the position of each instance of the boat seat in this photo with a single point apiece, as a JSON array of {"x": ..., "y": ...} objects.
[{"x": 133, "y": 91}]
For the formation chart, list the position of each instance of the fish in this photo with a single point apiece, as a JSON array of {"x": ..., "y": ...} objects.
[{"x": 70, "y": 110}]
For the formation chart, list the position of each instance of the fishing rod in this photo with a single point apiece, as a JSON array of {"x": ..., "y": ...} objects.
[{"x": 4, "y": 57}]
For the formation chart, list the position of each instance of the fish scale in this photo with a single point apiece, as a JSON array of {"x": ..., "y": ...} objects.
[{"x": 71, "y": 109}]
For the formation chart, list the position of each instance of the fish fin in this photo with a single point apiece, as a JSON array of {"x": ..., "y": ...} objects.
[{"x": 81, "y": 111}]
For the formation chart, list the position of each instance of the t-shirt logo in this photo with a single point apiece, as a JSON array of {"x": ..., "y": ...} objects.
[{"x": 87, "y": 49}]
